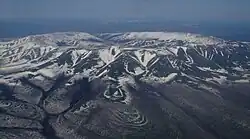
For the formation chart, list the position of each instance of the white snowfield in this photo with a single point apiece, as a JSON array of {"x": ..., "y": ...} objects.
[{"x": 167, "y": 36}]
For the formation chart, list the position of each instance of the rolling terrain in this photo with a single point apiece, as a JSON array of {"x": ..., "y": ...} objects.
[{"x": 132, "y": 85}]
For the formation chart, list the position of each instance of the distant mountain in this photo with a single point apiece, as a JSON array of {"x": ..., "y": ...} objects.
[
  {"x": 238, "y": 31},
  {"x": 75, "y": 85}
]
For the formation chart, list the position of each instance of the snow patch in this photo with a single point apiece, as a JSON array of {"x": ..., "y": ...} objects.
[
  {"x": 242, "y": 81},
  {"x": 220, "y": 79},
  {"x": 144, "y": 56},
  {"x": 214, "y": 70},
  {"x": 109, "y": 55},
  {"x": 153, "y": 79}
]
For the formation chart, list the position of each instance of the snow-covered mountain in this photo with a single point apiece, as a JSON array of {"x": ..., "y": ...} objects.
[{"x": 60, "y": 79}]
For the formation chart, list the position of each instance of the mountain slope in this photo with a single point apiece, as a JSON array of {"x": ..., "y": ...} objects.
[{"x": 119, "y": 85}]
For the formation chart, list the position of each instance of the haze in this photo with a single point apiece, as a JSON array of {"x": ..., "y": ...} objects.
[{"x": 223, "y": 10}]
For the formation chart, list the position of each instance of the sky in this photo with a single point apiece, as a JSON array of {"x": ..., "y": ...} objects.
[{"x": 231, "y": 10}]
